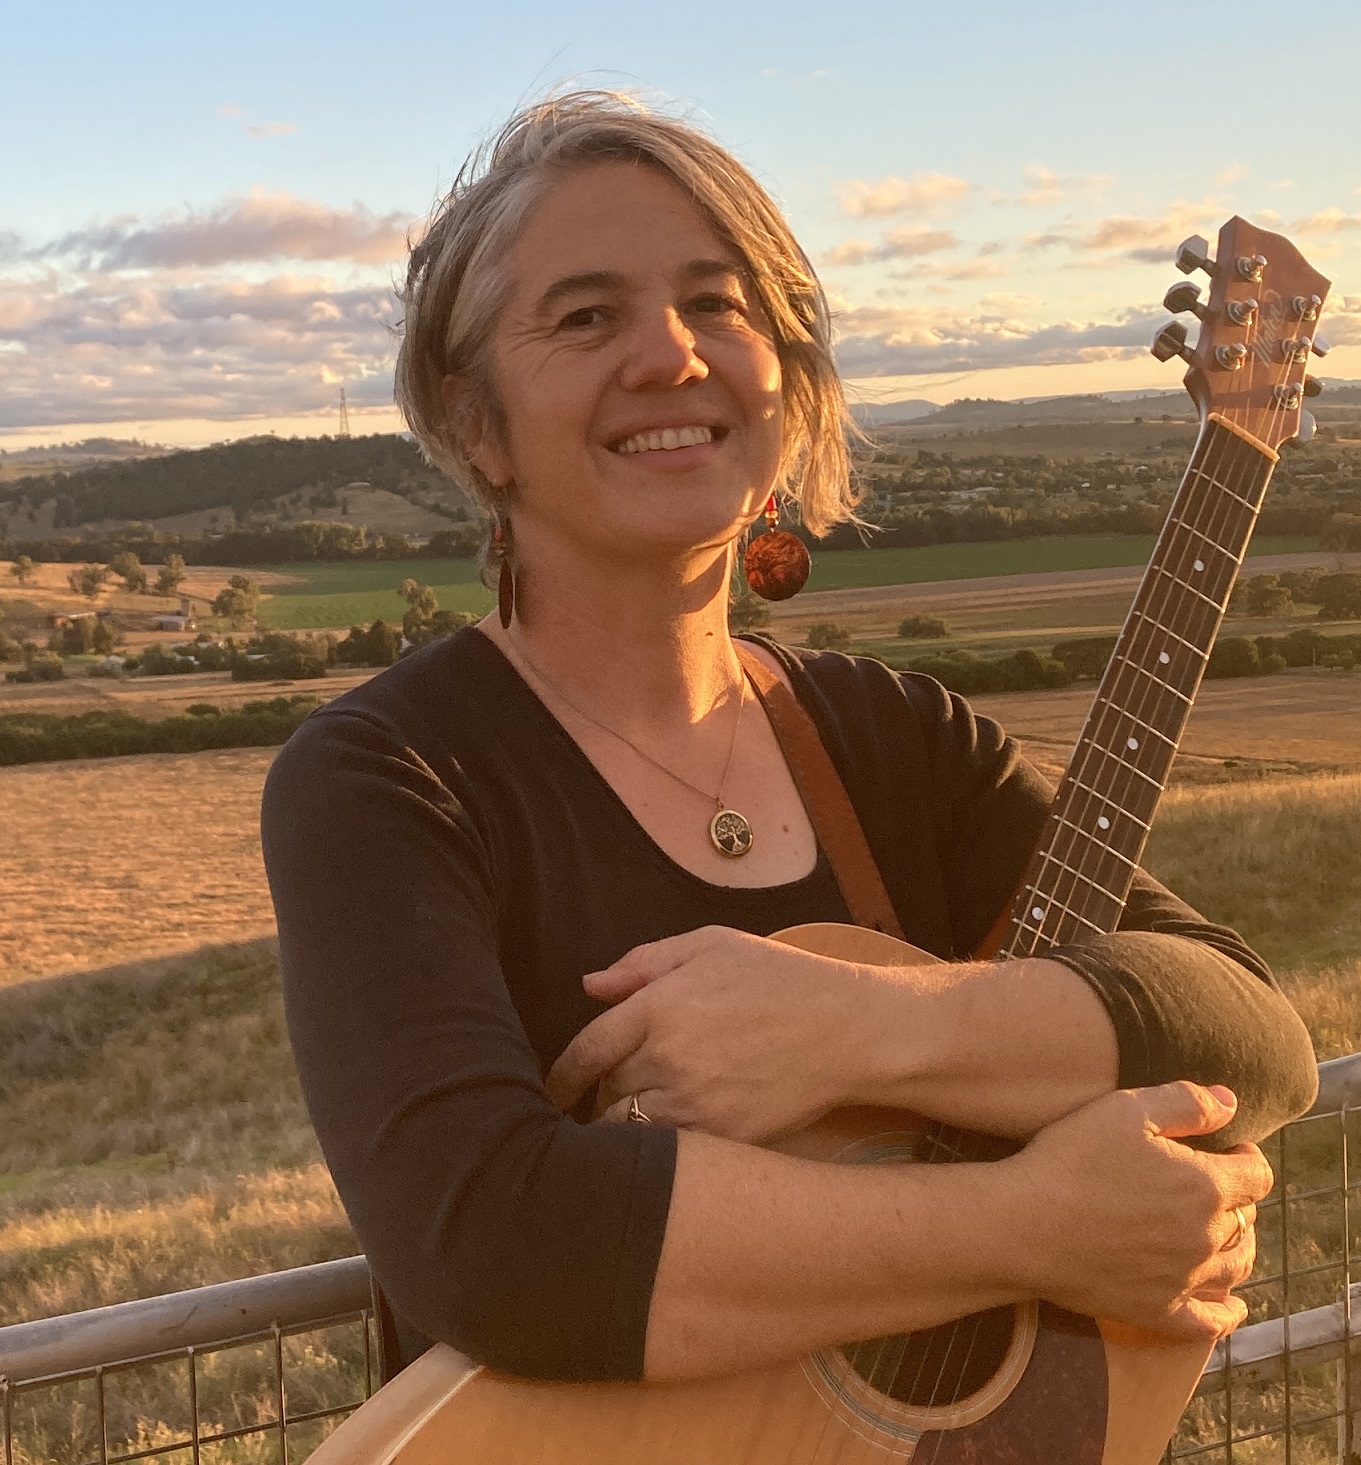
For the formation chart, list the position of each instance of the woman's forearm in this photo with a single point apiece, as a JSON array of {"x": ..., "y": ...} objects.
[
  {"x": 767, "y": 1256},
  {"x": 1001, "y": 1047}
]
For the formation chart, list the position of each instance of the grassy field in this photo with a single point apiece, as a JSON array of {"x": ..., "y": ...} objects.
[
  {"x": 152, "y": 1134},
  {"x": 360, "y": 592}
]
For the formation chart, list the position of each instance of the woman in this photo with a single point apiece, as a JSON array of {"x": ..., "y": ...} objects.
[{"x": 493, "y": 863}]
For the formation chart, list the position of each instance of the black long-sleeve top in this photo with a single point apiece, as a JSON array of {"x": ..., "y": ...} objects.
[{"x": 447, "y": 864}]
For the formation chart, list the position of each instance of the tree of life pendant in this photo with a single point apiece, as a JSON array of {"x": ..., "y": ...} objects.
[{"x": 730, "y": 833}]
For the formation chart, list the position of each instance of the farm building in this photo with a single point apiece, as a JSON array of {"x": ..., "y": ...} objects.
[{"x": 175, "y": 620}]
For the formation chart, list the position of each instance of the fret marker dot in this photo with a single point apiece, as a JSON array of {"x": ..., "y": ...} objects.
[
  {"x": 1038, "y": 912},
  {"x": 1103, "y": 823},
  {"x": 1200, "y": 564},
  {"x": 1164, "y": 657}
]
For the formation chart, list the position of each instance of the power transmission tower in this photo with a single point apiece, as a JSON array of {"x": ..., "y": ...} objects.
[{"x": 344, "y": 415}]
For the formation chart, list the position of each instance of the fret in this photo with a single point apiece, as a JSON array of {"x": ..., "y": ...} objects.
[
  {"x": 1029, "y": 925},
  {"x": 1106, "y": 799},
  {"x": 1144, "y": 672},
  {"x": 1052, "y": 859},
  {"x": 1181, "y": 640},
  {"x": 1186, "y": 528},
  {"x": 1116, "y": 758},
  {"x": 1100, "y": 844},
  {"x": 1124, "y": 712},
  {"x": 1190, "y": 589},
  {"x": 1225, "y": 489}
]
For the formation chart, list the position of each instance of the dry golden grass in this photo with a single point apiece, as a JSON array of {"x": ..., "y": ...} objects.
[{"x": 117, "y": 859}]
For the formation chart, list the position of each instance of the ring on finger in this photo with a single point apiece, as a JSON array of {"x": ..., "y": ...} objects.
[
  {"x": 636, "y": 1115},
  {"x": 1240, "y": 1229}
]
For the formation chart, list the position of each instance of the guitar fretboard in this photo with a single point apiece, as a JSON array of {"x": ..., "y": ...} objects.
[{"x": 1079, "y": 876}]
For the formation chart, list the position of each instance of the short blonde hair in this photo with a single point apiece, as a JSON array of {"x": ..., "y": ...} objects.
[{"x": 456, "y": 283}]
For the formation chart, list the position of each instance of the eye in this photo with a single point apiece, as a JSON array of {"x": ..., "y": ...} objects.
[
  {"x": 714, "y": 303},
  {"x": 582, "y": 318}
]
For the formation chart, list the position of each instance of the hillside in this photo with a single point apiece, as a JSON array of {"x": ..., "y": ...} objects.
[{"x": 255, "y": 478}]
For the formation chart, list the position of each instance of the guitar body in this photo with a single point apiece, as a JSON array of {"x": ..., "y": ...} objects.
[{"x": 1026, "y": 1385}]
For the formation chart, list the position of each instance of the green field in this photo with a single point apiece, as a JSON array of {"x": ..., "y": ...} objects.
[{"x": 358, "y": 592}]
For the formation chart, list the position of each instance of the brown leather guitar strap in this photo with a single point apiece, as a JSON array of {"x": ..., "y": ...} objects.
[{"x": 824, "y": 796}]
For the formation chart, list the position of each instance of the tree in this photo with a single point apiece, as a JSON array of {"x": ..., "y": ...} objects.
[
  {"x": 88, "y": 580},
  {"x": 1339, "y": 597},
  {"x": 22, "y": 569},
  {"x": 828, "y": 636},
  {"x": 747, "y": 612},
  {"x": 922, "y": 628},
  {"x": 129, "y": 569},
  {"x": 238, "y": 601},
  {"x": 423, "y": 605},
  {"x": 171, "y": 575}
]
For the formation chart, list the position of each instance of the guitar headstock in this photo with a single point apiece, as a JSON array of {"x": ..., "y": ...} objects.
[{"x": 1257, "y": 330}]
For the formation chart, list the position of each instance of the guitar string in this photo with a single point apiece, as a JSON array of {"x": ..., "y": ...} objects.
[
  {"x": 1139, "y": 707},
  {"x": 1222, "y": 507},
  {"x": 1161, "y": 603},
  {"x": 1177, "y": 564},
  {"x": 1174, "y": 599}
]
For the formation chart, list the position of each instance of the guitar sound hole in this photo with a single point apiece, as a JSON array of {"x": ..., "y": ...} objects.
[{"x": 940, "y": 1366}]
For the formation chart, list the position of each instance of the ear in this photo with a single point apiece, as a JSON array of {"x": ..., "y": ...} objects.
[{"x": 468, "y": 416}]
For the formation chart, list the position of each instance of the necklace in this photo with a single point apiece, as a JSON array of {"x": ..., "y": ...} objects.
[{"x": 729, "y": 832}]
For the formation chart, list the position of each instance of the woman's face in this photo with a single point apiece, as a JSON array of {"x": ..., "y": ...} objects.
[{"x": 639, "y": 382}]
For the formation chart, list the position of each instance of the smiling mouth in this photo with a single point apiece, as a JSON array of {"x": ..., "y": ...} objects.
[{"x": 668, "y": 439}]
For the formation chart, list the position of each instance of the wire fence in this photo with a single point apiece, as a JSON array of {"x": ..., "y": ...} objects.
[{"x": 258, "y": 1372}]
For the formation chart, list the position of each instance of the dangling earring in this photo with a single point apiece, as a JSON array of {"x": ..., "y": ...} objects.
[
  {"x": 776, "y": 563},
  {"x": 505, "y": 581}
]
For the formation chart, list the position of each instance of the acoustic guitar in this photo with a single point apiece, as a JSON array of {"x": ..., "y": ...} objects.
[{"x": 1023, "y": 1385}]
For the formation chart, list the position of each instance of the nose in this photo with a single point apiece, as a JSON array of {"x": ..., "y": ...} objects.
[{"x": 662, "y": 352}]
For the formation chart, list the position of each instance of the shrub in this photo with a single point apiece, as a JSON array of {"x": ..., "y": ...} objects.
[
  {"x": 378, "y": 646},
  {"x": 828, "y": 636},
  {"x": 27, "y": 737},
  {"x": 157, "y": 661},
  {"x": 1085, "y": 656},
  {"x": 922, "y": 628},
  {"x": 111, "y": 667},
  {"x": 46, "y": 667},
  {"x": 1234, "y": 656},
  {"x": 279, "y": 656},
  {"x": 87, "y": 580},
  {"x": 1339, "y": 597},
  {"x": 203, "y": 709},
  {"x": 968, "y": 673},
  {"x": 10, "y": 649},
  {"x": 747, "y": 612}
]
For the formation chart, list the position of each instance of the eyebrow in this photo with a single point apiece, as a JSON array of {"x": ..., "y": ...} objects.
[{"x": 695, "y": 269}]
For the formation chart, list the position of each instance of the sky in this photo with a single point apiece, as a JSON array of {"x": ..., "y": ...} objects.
[{"x": 203, "y": 208}]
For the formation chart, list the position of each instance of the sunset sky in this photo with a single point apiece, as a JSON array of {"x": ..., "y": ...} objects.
[{"x": 202, "y": 208}]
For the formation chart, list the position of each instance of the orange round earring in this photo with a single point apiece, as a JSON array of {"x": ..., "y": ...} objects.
[{"x": 777, "y": 563}]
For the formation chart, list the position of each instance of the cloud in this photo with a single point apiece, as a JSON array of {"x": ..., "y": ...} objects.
[
  {"x": 111, "y": 348},
  {"x": 896, "y": 244},
  {"x": 922, "y": 193},
  {"x": 1229, "y": 175},
  {"x": 1045, "y": 187},
  {"x": 1327, "y": 221},
  {"x": 910, "y": 341},
  {"x": 234, "y": 112},
  {"x": 261, "y": 226},
  {"x": 1141, "y": 238}
]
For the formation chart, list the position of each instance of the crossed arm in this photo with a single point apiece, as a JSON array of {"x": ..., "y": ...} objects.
[{"x": 732, "y": 1037}]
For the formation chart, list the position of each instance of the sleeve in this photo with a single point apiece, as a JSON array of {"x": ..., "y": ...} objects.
[
  {"x": 492, "y": 1221},
  {"x": 1188, "y": 999}
]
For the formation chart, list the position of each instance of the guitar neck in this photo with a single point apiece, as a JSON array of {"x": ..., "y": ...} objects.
[{"x": 1078, "y": 879}]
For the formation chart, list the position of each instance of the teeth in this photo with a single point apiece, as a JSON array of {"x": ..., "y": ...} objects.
[{"x": 665, "y": 439}]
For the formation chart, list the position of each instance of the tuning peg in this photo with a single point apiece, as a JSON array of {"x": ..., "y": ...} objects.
[
  {"x": 1319, "y": 346},
  {"x": 1312, "y": 386},
  {"x": 1307, "y": 428},
  {"x": 1194, "y": 254},
  {"x": 1183, "y": 296},
  {"x": 1170, "y": 342}
]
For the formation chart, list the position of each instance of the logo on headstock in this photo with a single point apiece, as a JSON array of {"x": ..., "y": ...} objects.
[{"x": 1271, "y": 321}]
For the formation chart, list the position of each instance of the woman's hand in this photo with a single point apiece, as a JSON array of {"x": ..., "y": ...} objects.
[
  {"x": 1116, "y": 1219},
  {"x": 719, "y": 1031}
]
